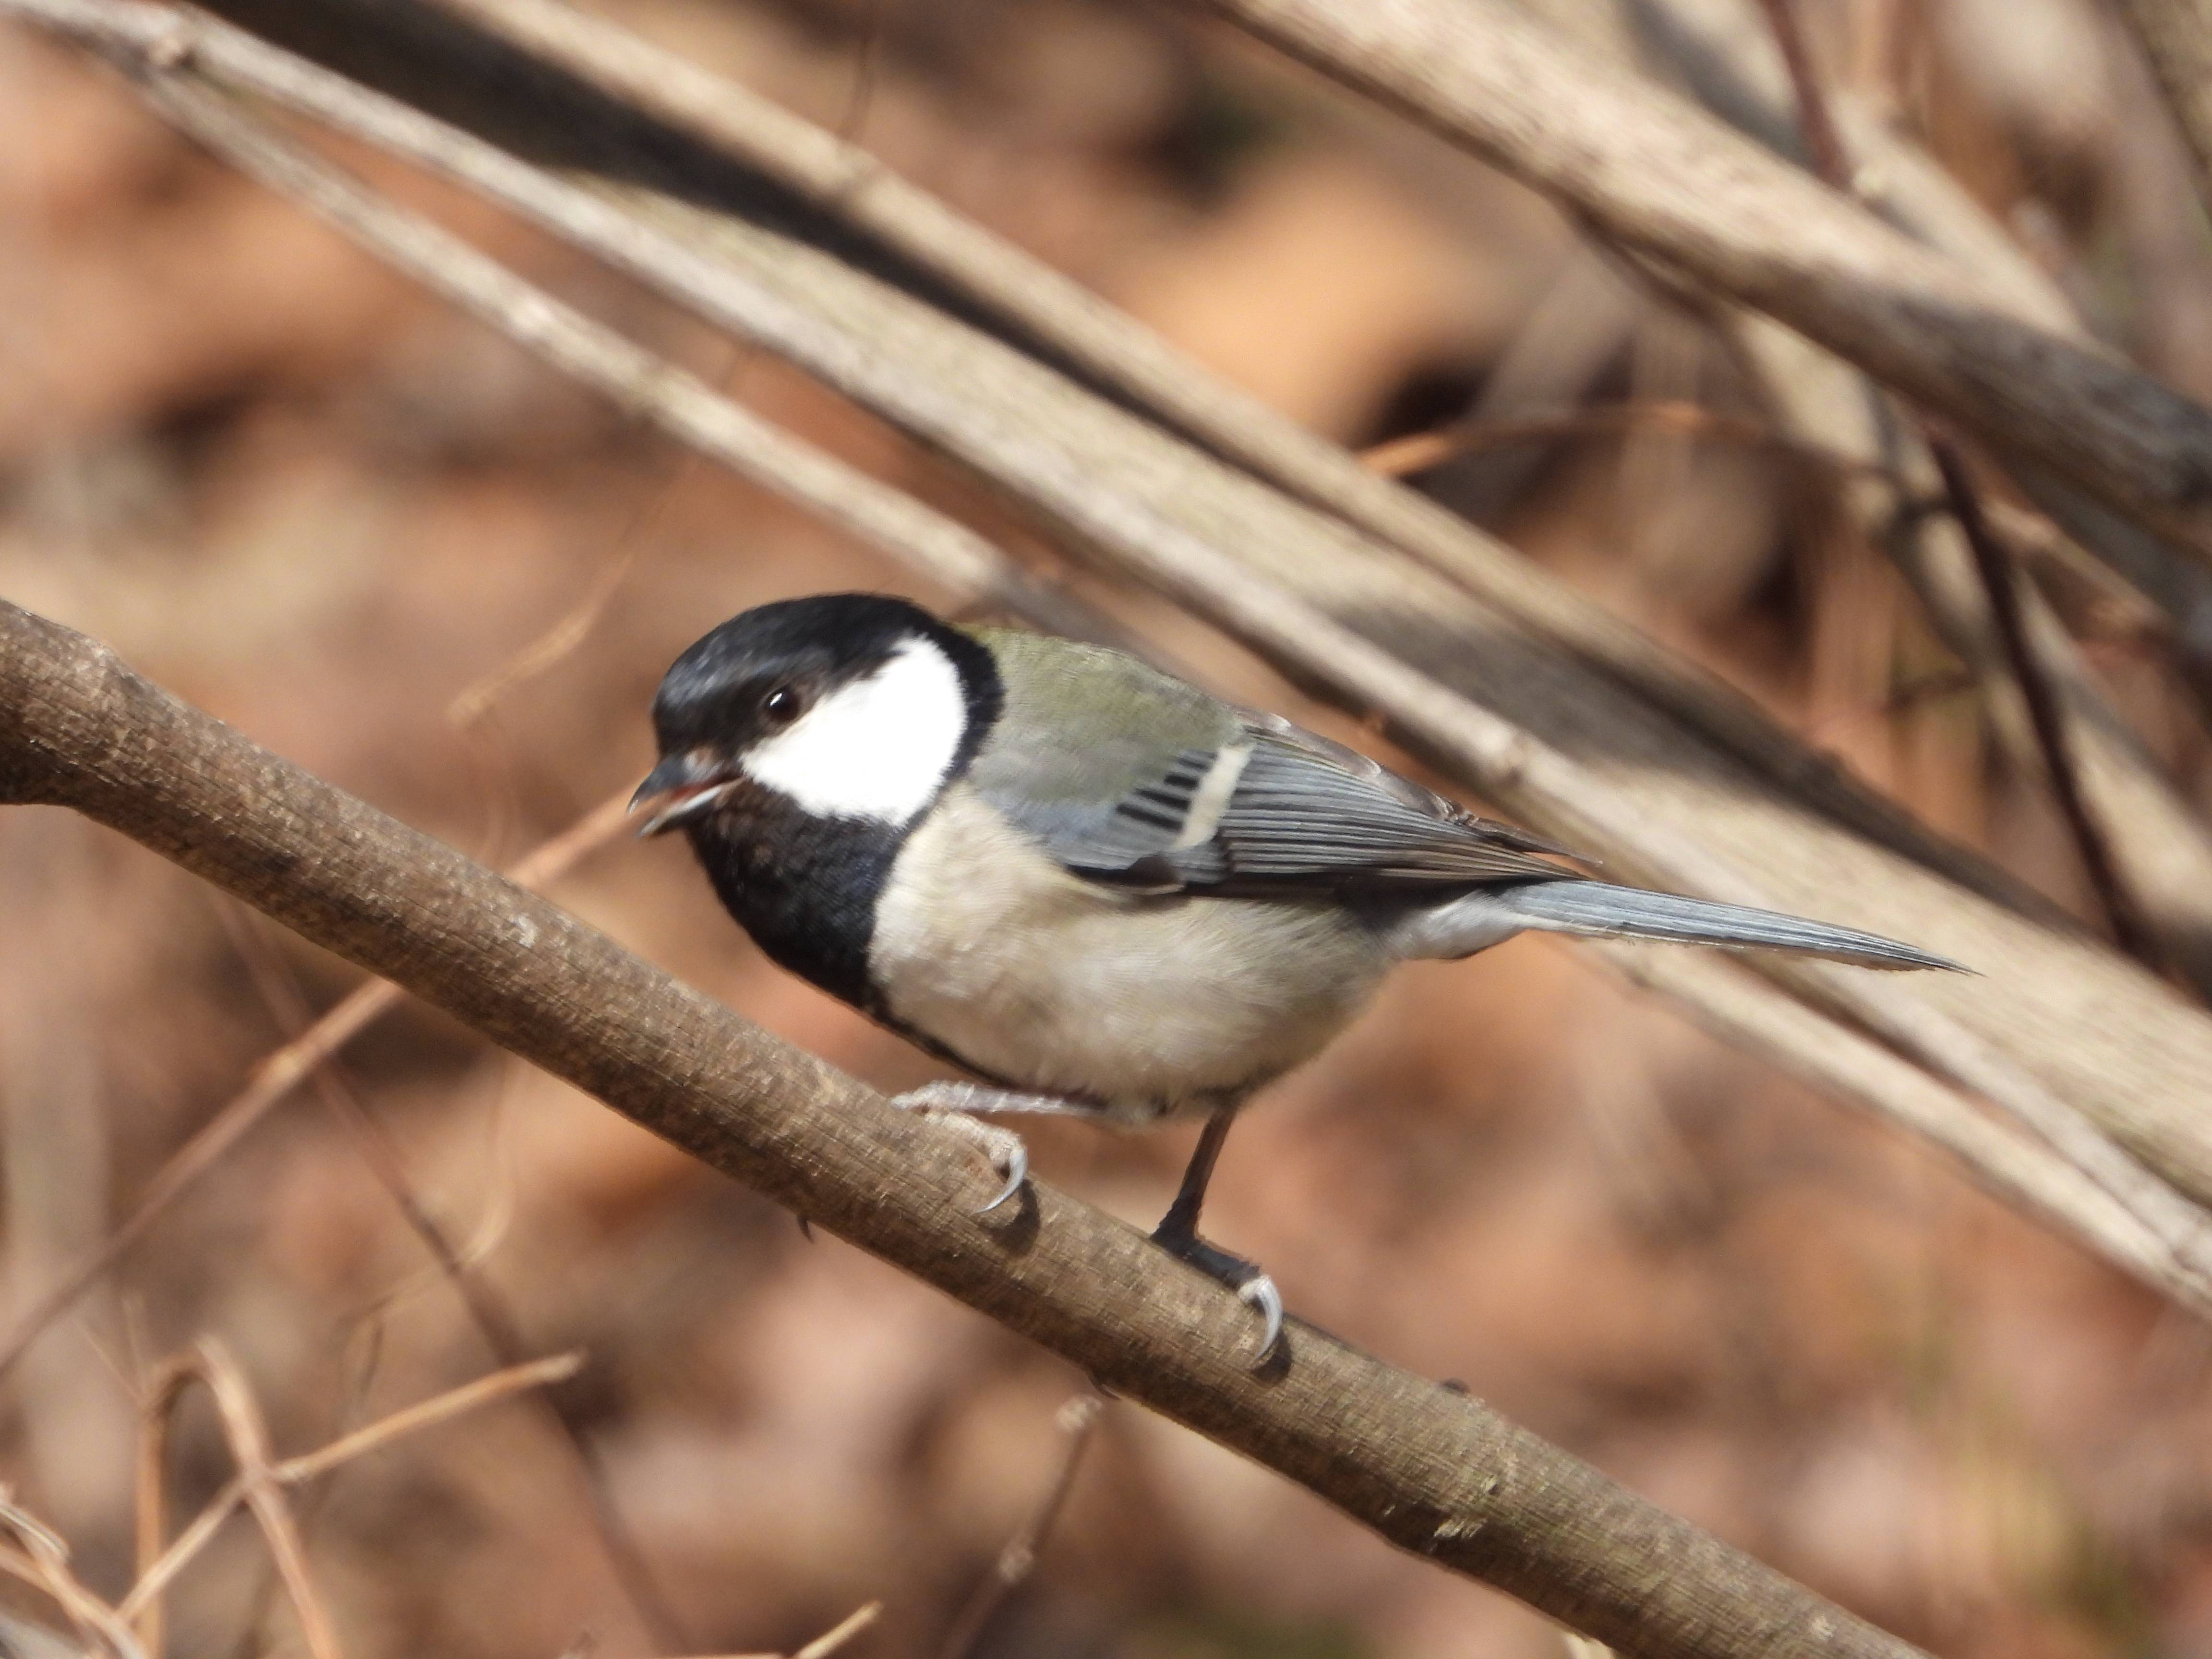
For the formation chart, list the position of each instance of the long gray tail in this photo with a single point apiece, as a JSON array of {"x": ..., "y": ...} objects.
[{"x": 1480, "y": 918}]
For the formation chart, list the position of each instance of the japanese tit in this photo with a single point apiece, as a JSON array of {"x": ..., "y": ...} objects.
[{"x": 1090, "y": 884}]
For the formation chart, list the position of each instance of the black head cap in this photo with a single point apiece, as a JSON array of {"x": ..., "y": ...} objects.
[
  {"x": 719, "y": 692},
  {"x": 762, "y": 670}
]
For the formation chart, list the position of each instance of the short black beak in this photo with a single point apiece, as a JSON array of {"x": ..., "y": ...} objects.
[{"x": 681, "y": 788}]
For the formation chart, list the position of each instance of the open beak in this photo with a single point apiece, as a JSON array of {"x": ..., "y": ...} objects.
[{"x": 682, "y": 788}]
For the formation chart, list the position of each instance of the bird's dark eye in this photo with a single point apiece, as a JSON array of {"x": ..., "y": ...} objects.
[{"x": 781, "y": 706}]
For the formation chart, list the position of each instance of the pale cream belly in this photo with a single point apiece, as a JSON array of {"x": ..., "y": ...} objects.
[{"x": 1146, "y": 1005}]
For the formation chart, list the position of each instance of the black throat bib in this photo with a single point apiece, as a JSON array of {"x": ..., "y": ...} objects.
[{"x": 805, "y": 887}]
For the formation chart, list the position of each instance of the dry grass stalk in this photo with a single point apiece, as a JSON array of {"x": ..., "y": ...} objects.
[
  {"x": 274, "y": 1080},
  {"x": 831, "y": 1640},
  {"x": 261, "y": 1476},
  {"x": 1077, "y": 1419}
]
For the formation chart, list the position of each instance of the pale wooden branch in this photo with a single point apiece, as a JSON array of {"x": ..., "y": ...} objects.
[
  {"x": 2145, "y": 1236},
  {"x": 1658, "y": 175},
  {"x": 1431, "y": 1469},
  {"x": 2176, "y": 36},
  {"x": 808, "y": 311}
]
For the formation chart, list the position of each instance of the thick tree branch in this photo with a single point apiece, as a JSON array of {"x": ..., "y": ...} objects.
[{"x": 1433, "y": 1470}]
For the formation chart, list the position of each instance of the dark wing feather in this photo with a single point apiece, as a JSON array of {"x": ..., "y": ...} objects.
[
  {"x": 1308, "y": 812},
  {"x": 1124, "y": 774}
]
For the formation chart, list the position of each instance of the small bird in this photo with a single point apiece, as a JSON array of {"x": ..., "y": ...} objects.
[{"x": 1088, "y": 883}]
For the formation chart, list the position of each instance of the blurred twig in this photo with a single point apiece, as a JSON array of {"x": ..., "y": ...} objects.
[
  {"x": 2121, "y": 610},
  {"x": 2176, "y": 36},
  {"x": 2000, "y": 581},
  {"x": 43, "y": 1561},
  {"x": 258, "y": 1488},
  {"x": 496, "y": 1323},
  {"x": 274, "y": 1079},
  {"x": 831, "y": 1640},
  {"x": 1659, "y": 176},
  {"x": 1077, "y": 1419},
  {"x": 261, "y": 1476}
]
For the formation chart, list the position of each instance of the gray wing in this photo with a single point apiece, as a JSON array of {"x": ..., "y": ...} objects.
[
  {"x": 1270, "y": 810},
  {"x": 1132, "y": 778}
]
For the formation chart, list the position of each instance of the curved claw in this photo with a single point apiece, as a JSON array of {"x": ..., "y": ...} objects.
[
  {"x": 1259, "y": 1291},
  {"x": 1018, "y": 1171}
]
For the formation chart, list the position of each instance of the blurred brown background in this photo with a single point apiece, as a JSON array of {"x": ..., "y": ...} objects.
[{"x": 383, "y": 543}]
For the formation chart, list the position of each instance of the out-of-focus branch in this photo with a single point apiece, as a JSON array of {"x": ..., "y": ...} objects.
[
  {"x": 2077, "y": 1177},
  {"x": 274, "y": 1080},
  {"x": 1077, "y": 1419},
  {"x": 1433, "y": 1470},
  {"x": 2176, "y": 36},
  {"x": 1044, "y": 304},
  {"x": 161, "y": 1561},
  {"x": 2001, "y": 590},
  {"x": 1658, "y": 175}
]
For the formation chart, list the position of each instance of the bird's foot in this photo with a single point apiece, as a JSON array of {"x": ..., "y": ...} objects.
[
  {"x": 1254, "y": 1287},
  {"x": 946, "y": 1103}
]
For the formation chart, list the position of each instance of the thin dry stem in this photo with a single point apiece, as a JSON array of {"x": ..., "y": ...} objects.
[
  {"x": 210, "y": 1365},
  {"x": 493, "y": 1322},
  {"x": 274, "y": 1079},
  {"x": 2046, "y": 707},
  {"x": 44, "y": 1562},
  {"x": 1078, "y": 1418},
  {"x": 144, "y": 1604},
  {"x": 831, "y": 1640}
]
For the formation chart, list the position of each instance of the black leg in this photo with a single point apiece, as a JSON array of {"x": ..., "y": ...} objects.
[
  {"x": 1180, "y": 1225},
  {"x": 1178, "y": 1234}
]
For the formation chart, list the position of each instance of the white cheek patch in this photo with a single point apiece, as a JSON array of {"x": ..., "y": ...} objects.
[{"x": 879, "y": 748}]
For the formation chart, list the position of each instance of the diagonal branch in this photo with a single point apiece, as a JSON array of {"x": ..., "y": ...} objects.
[
  {"x": 1433, "y": 1470},
  {"x": 1993, "y": 562},
  {"x": 1658, "y": 175}
]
